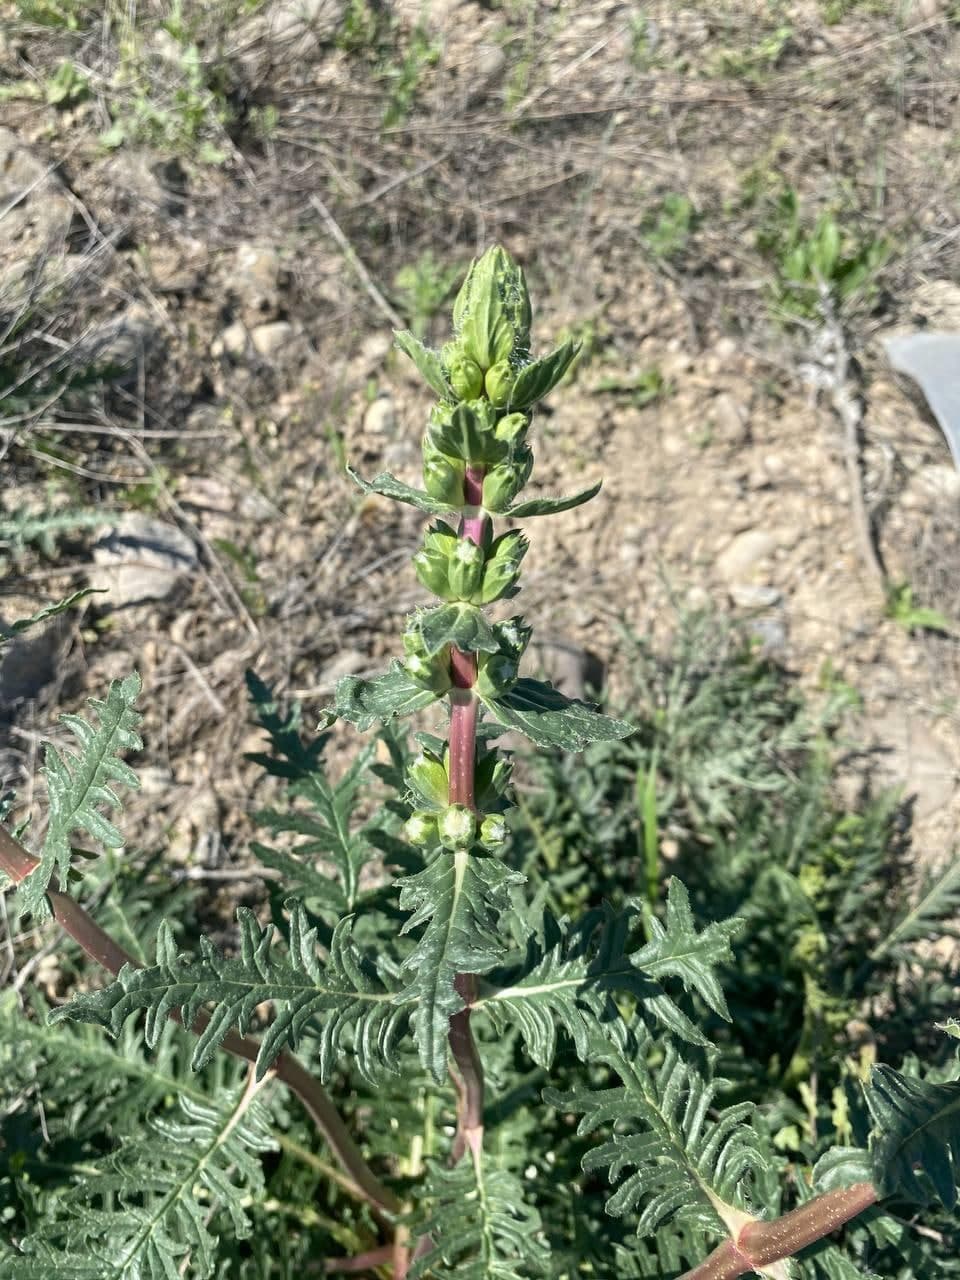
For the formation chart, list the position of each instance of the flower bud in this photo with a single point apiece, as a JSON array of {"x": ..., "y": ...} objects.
[
  {"x": 497, "y": 672},
  {"x": 493, "y": 831},
  {"x": 430, "y": 673},
  {"x": 512, "y": 426},
  {"x": 492, "y": 310},
  {"x": 443, "y": 477},
  {"x": 457, "y": 826},
  {"x": 432, "y": 562},
  {"x": 498, "y": 383},
  {"x": 503, "y": 482},
  {"x": 502, "y": 567},
  {"x": 465, "y": 569},
  {"x": 420, "y": 829},
  {"x": 466, "y": 377},
  {"x": 427, "y": 777}
]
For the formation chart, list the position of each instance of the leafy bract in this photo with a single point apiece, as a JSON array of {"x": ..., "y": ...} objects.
[
  {"x": 462, "y": 625},
  {"x": 346, "y": 1001},
  {"x": 389, "y": 486},
  {"x": 426, "y": 360},
  {"x": 551, "y": 720},
  {"x": 79, "y": 787},
  {"x": 49, "y": 611},
  {"x": 395, "y": 693},
  {"x": 536, "y": 379},
  {"x": 551, "y": 506}
]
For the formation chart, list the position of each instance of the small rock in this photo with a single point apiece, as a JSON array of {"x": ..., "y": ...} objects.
[
  {"x": 346, "y": 663},
  {"x": 141, "y": 558},
  {"x": 744, "y": 553},
  {"x": 571, "y": 669},
  {"x": 374, "y": 349},
  {"x": 489, "y": 62},
  {"x": 730, "y": 417},
  {"x": 255, "y": 281},
  {"x": 770, "y": 633},
  {"x": 380, "y": 418},
  {"x": 725, "y": 349},
  {"x": 270, "y": 339},
  {"x": 29, "y": 661},
  {"x": 747, "y": 595},
  {"x": 932, "y": 487},
  {"x": 231, "y": 341}
]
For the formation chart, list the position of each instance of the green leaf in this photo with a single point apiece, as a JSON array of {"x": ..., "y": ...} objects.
[
  {"x": 687, "y": 1155},
  {"x": 478, "y": 1225},
  {"x": 459, "y": 897},
  {"x": 550, "y": 506},
  {"x": 677, "y": 950},
  {"x": 140, "y": 1213},
  {"x": 551, "y": 720},
  {"x": 363, "y": 702},
  {"x": 916, "y": 1130},
  {"x": 79, "y": 787},
  {"x": 389, "y": 486},
  {"x": 346, "y": 1000},
  {"x": 462, "y": 625},
  {"x": 535, "y": 380},
  {"x": 50, "y": 611},
  {"x": 426, "y": 360}
]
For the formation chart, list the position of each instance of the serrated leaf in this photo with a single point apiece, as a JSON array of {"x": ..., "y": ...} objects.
[
  {"x": 550, "y": 506},
  {"x": 148, "y": 1207},
  {"x": 345, "y": 999},
  {"x": 537, "y": 379},
  {"x": 478, "y": 1225},
  {"x": 677, "y": 950},
  {"x": 687, "y": 1156},
  {"x": 79, "y": 787},
  {"x": 916, "y": 1130},
  {"x": 842, "y": 1167},
  {"x": 364, "y": 702},
  {"x": 462, "y": 625},
  {"x": 389, "y": 486},
  {"x": 426, "y": 360},
  {"x": 459, "y": 897},
  {"x": 551, "y": 720}
]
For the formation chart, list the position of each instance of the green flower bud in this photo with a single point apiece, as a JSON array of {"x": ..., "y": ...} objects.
[
  {"x": 432, "y": 562},
  {"x": 427, "y": 777},
  {"x": 430, "y": 673},
  {"x": 498, "y": 383},
  {"x": 457, "y": 826},
  {"x": 420, "y": 829},
  {"x": 492, "y": 310},
  {"x": 497, "y": 672},
  {"x": 443, "y": 476},
  {"x": 465, "y": 569},
  {"x": 503, "y": 482},
  {"x": 493, "y": 831},
  {"x": 465, "y": 377},
  {"x": 502, "y": 568},
  {"x": 492, "y": 779},
  {"x": 512, "y": 427}
]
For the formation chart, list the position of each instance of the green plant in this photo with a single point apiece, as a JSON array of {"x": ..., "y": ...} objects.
[
  {"x": 667, "y": 230},
  {"x": 809, "y": 260},
  {"x": 914, "y": 617},
  {"x": 422, "y": 288},
  {"x": 404, "y": 77},
  {"x": 505, "y": 1024}
]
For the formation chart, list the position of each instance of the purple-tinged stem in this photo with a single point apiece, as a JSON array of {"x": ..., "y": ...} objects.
[
  {"x": 760, "y": 1244},
  {"x": 474, "y": 526}
]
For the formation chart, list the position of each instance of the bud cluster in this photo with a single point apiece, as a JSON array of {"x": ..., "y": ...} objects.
[
  {"x": 436, "y": 822},
  {"x": 458, "y": 569}
]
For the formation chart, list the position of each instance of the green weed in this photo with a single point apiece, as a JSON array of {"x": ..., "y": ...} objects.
[
  {"x": 667, "y": 230},
  {"x": 421, "y": 289}
]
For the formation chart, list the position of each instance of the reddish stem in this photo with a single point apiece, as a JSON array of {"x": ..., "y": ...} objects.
[
  {"x": 760, "y": 1244},
  {"x": 475, "y": 526}
]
